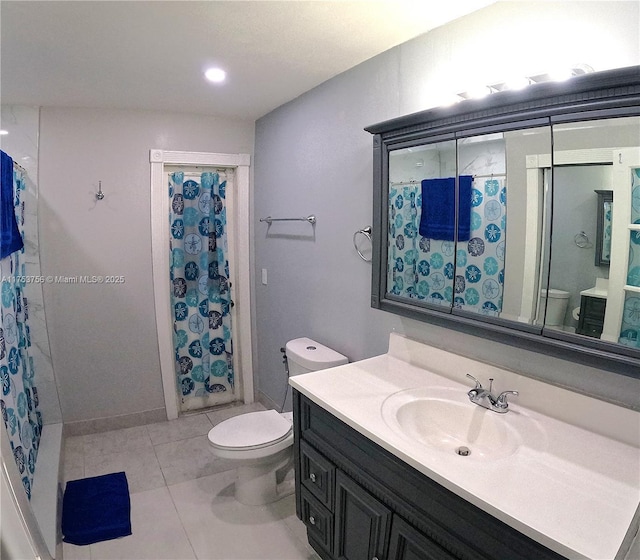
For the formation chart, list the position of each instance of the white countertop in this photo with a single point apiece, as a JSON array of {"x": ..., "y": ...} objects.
[
  {"x": 600, "y": 290},
  {"x": 574, "y": 491},
  {"x": 595, "y": 292}
]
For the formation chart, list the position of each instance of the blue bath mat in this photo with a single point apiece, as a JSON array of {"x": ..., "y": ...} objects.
[{"x": 96, "y": 509}]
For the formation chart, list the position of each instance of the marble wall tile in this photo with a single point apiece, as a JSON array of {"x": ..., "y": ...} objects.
[{"x": 23, "y": 125}]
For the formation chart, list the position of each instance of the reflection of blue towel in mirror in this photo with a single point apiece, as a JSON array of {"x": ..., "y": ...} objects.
[
  {"x": 437, "y": 220},
  {"x": 10, "y": 239}
]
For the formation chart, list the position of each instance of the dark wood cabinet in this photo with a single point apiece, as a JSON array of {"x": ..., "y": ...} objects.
[
  {"x": 407, "y": 543},
  {"x": 318, "y": 519},
  {"x": 360, "y": 502},
  {"x": 317, "y": 474},
  {"x": 362, "y": 523},
  {"x": 591, "y": 321}
]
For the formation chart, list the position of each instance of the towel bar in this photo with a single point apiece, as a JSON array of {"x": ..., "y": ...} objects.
[{"x": 311, "y": 219}]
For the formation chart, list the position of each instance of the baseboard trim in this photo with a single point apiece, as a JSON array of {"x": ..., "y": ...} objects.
[
  {"x": 96, "y": 425},
  {"x": 267, "y": 401}
]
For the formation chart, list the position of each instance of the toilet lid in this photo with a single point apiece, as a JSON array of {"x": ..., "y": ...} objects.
[{"x": 252, "y": 429}]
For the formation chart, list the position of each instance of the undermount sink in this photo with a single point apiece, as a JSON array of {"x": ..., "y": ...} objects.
[{"x": 443, "y": 418}]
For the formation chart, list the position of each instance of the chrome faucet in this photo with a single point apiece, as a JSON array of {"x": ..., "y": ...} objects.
[{"x": 483, "y": 397}]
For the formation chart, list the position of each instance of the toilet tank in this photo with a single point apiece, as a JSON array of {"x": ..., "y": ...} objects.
[
  {"x": 305, "y": 355},
  {"x": 556, "y": 302}
]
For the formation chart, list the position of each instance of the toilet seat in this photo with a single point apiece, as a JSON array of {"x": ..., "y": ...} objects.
[{"x": 253, "y": 430}]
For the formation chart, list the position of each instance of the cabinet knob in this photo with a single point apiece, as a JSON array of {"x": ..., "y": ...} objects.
[
  {"x": 312, "y": 520},
  {"x": 312, "y": 476}
]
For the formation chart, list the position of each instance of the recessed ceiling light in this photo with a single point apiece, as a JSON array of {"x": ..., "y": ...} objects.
[{"x": 215, "y": 75}]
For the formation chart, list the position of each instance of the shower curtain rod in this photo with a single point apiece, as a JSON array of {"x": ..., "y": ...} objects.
[
  {"x": 414, "y": 182},
  {"x": 489, "y": 175}
]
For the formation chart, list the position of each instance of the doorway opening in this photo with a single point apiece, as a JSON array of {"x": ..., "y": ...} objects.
[{"x": 199, "y": 171}]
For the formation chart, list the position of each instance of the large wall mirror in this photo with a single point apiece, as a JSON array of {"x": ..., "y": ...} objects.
[{"x": 518, "y": 218}]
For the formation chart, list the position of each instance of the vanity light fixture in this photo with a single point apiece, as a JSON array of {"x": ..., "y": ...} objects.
[
  {"x": 478, "y": 92},
  {"x": 517, "y": 83},
  {"x": 561, "y": 74},
  {"x": 450, "y": 100},
  {"x": 215, "y": 75},
  {"x": 514, "y": 84}
]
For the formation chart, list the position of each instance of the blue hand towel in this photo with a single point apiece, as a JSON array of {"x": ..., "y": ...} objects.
[
  {"x": 10, "y": 239},
  {"x": 437, "y": 220}
]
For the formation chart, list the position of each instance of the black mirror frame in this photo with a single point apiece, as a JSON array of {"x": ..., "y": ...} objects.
[{"x": 608, "y": 94}]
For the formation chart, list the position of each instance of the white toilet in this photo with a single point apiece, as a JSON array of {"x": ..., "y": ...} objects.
[
  {"x": 262, "y": 442},
  {"x": 556, "y": 304}
]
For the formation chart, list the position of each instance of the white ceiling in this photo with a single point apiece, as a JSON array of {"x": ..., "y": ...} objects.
[{"x": 151, "y": 55}]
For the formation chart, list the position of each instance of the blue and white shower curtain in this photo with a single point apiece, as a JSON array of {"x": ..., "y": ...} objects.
[
  {"x": 19, "y": 402},
  {"x": 423, "y": 269},
  {"x": 630, "y": 327},
  {"x": 201, "y": 290}
]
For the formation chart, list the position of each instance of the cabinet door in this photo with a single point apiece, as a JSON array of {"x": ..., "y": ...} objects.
[
  {"x": 362, "y": 523},
  {"x": 592, "y": 311},
  {"x": 407, "y": 543}
]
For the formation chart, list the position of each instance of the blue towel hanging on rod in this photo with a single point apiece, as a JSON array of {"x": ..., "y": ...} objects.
[
  {"x": 437, "y": 220},
  {"x": 10, "y": 238}
]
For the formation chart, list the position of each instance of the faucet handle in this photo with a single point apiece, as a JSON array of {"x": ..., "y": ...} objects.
[
  {"x": 501, "y": 400},
  {"x": 478, "y": 384}
]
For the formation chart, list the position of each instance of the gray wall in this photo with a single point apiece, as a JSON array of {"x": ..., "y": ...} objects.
[
  {"x": 573, "y": 268},
  {"x": 312, "y": 156},
  {"x": 103, "y": 337}
]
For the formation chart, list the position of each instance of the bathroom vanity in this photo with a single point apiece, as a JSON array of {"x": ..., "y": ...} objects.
[
  {"x": 591, "y": 320},
  {"x": 593, "y": 304},
  {"x": 380, "y": 473}
]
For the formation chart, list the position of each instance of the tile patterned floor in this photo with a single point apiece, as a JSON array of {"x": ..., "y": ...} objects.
[{"x": 182, "y": 504}]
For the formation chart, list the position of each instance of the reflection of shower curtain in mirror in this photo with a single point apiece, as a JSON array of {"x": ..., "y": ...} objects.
[
  {"x": 22, "y": 418},
  {"x": 423, "y": 269},
  {"x": 201, "y": 294},
  {"x": 630, "y": 327}
]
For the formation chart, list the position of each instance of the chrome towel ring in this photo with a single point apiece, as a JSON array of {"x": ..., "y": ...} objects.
[
  {"x": 582, "y": 240},
  {"x": 367, "y": 233}
]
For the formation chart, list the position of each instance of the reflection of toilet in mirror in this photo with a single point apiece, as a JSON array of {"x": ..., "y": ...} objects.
[{"x": 555, "y": 302}]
